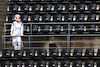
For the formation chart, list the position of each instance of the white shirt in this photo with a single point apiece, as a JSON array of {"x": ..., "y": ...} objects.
[{"x": 17, "y": 29}]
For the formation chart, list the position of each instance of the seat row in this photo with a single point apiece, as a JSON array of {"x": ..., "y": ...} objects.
[
  {"x": 53, "y": 52},
  {"x": 57, "y": 29},
  {"x": 56, "y": 17},
  {"x": 51, "y": 63},
  {"x": 62, "y": 28},
  {"x": 54, "y": 7},
  {"x": 47, "y": 0}
]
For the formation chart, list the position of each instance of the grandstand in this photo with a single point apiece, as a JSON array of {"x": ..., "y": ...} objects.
[{"x": 57, "y": 33}]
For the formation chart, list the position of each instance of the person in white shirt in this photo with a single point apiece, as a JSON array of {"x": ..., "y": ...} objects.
[{"x": 17, "y": 32}]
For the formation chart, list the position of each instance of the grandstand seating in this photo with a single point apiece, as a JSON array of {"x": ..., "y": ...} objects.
[
  {"x": 55, "y": 17},
  {"x": 5, "y": 63},
  {"x": 51, "y": 63},
  {"x": 78, "y": 52},
  {"x": 30, "y": 53},
  {"x": 77, "y": 63},
  {"x": 17, "y": 64},
  {"x": 6, "y": 53},
  {"x": 89, "y": 52},
  {"x": 29, "y": 63},
  {"x": 53, "y": 52},
  {"x": 41, "y": 63},
  {"x": 65, "y": 52},
  {"x": 98, "y": 63},
  {"x": 89, "y": 63},
  {"x": 18, "y": 53},
  {"x": 65, "y": 63},
  {"x": 42, "y": 52},
  {"x": 57, "y": 28}
]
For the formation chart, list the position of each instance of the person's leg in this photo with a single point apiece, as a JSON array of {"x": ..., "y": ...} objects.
[
  {"x": 14, "y": 41},
  {"x": 19, "y": 40}
]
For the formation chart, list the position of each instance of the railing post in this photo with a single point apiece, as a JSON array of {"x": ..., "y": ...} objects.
[
  {"x": 31, "y": 33},
  {"x": 2, "y": 43},
  {"x": 68, "y": 37},
  {"x": 29, "y": 42}
]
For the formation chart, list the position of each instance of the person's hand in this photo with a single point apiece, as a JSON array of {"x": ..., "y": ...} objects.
[{"x": 23, "y": 35}]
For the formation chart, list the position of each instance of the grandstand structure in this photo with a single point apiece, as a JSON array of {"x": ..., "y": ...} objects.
[{"x": 57, "y": 33}]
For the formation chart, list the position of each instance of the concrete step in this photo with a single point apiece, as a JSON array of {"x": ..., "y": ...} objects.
[{"x": 3, "y": 7}]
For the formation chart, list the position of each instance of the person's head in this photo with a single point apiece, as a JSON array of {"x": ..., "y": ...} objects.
[{"x": 17, "y": 18}]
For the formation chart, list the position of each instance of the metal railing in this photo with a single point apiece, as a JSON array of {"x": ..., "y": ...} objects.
[{"x": 67, "y": 36}]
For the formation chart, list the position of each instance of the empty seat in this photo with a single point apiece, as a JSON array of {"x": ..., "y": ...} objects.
[
  {"x": 42, "y": 52},
  {"x": 90, "y": 28},
  {"x": 65, "y": 28},
  {"x": 25, "y": 7},
  {"x": 6, "y": 53},
  {"x": 24, "y": 18},
  {"x": 41, "y": 63},
  {"x": 14, "y": 0},
  {"x": 13, "y": 7},
  {"x": 57, "y": 17},
  {"x": 91, "y": 17},
  {"x": 80, "y": 17},
  {"x": 47, "y": 7},
  {"x": 35, "y": 17},
  {"x": 30, "y": 53},
  {"x": 80, "y": 7},
  {"x": 5, "y": 64},
  {"x": 7, "y": 31},
  {"x": 45, "y": 28},
  {"x": 53, "y": 63},
  {"x": 25, "y": 0},
  {"x": 98, "y": 54},
  {"x": 77, "y": 52},
  {"x": 53, "y": 52},
  {"x": 89, "y": 52},
  {"x": 58, "y": 7},
  {"x": 48, "y": 0},
  {"x": 98, "y": 63},
  {"x": 79, "y": 28},
  {"x": 29, "y": 63},
  {"x": 36, "y": 7},
  {"x": 8, "y": 26},
  {"x": 59, "y": 0},
  {"x": 18, "y": 53},
  {"x": 69, "y": 7},
  {"x": 89, "y": 63},
  {"x": 69, "y": 0},
  {"x": 92, "y": 6},
  {"x": 56, "y": 28},
  {"x": 46, "y": 17},
  {"x": 81, "y": 0},
  {"x": 36, "y": 0},
  {"x": 34, "y": 29},
  {"x": 68, "y": 17},
  {"x": 65, "y": 63},
  {"x": 65, "y": 52},
  {"x": 17, "y": 64},
  {"x": 10, "y": 18},
  {"x": 77, "y": 63}
]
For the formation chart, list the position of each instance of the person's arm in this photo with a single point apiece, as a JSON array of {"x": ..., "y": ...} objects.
[
  {"x": 12, "y": 27},
  {"x": 22, "y": 29}
]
